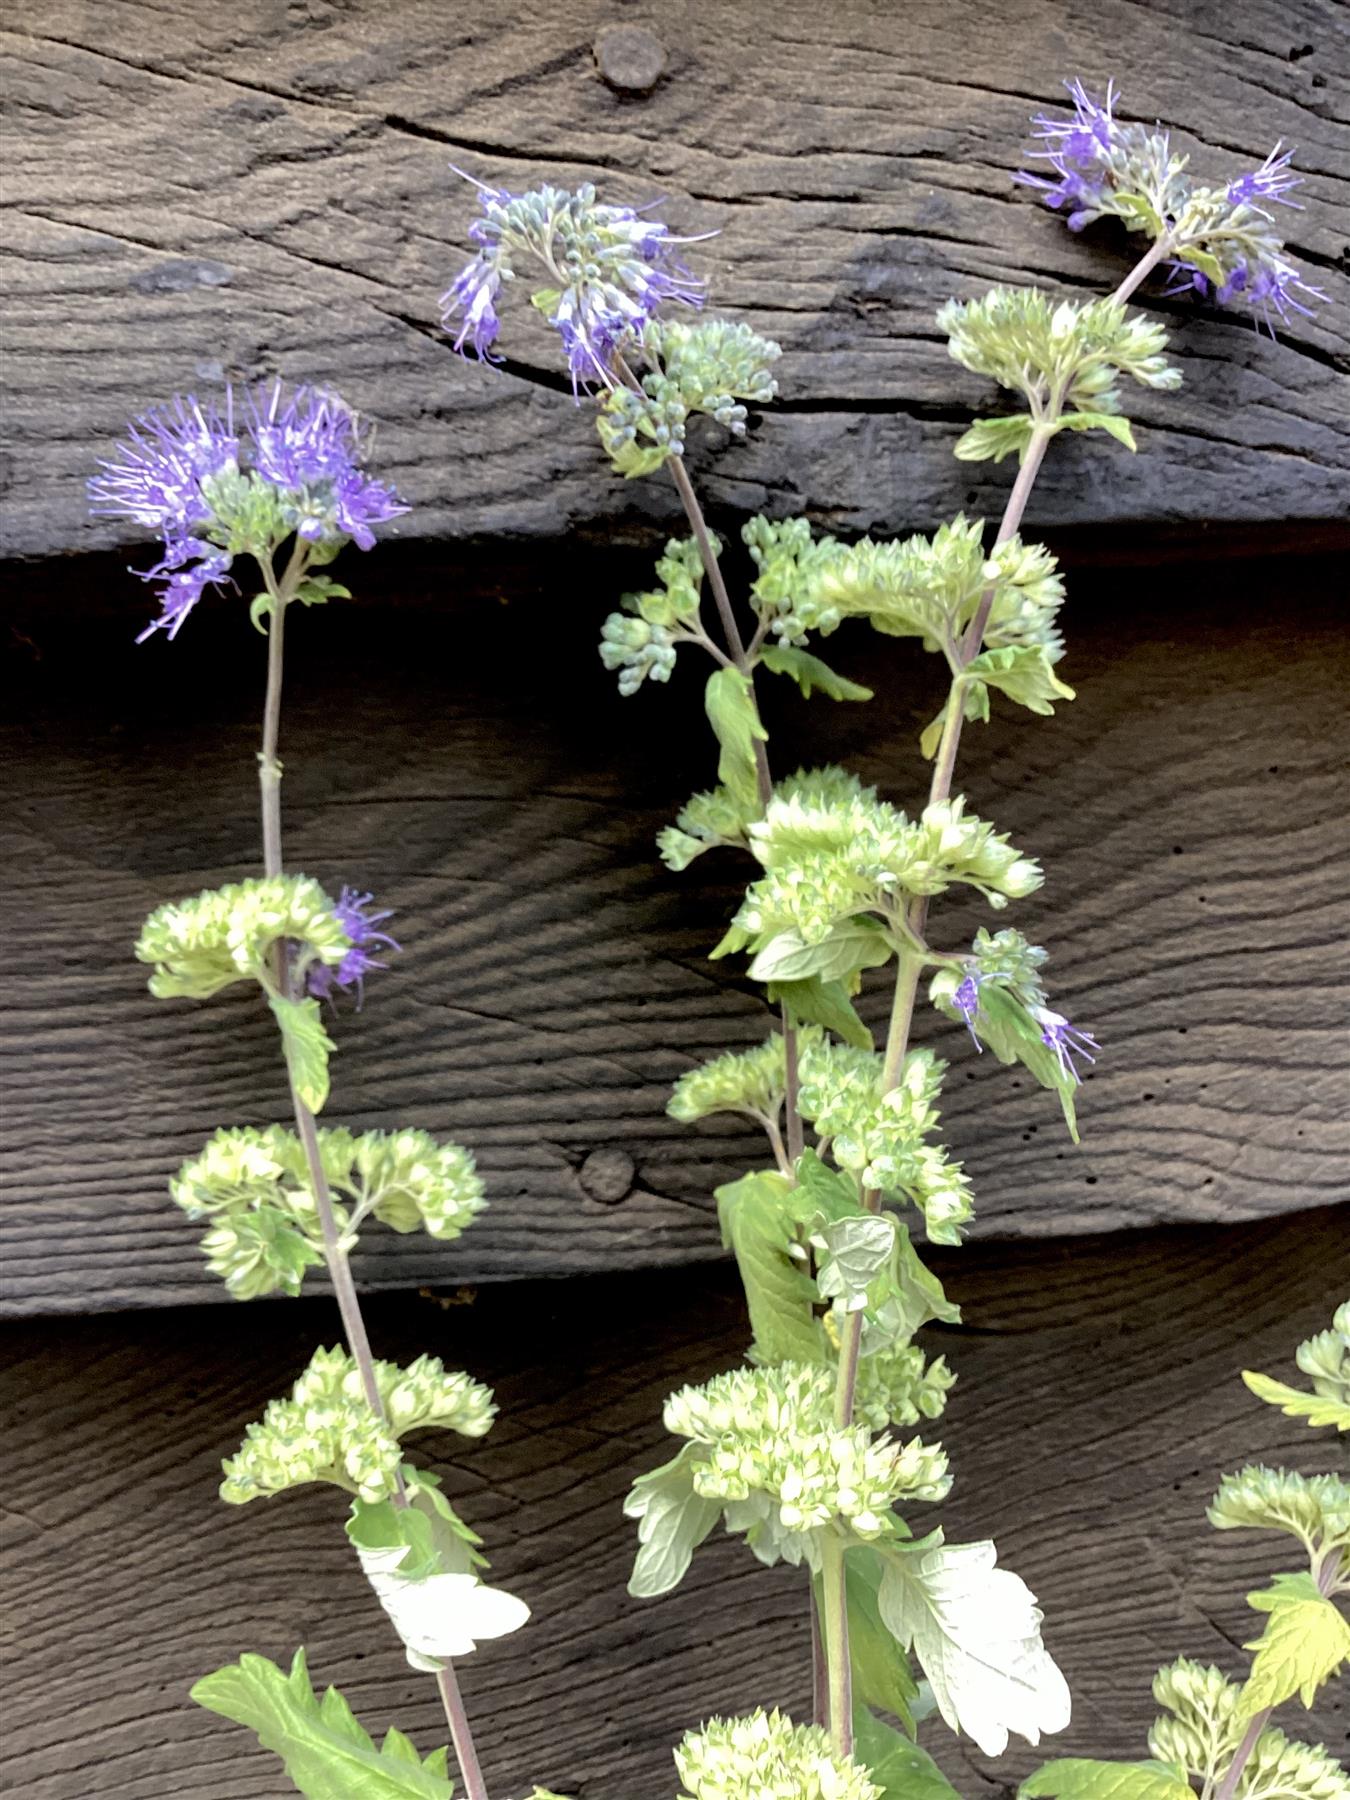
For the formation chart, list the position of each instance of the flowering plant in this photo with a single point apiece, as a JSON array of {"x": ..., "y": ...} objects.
[{"x": 803, "y": 1452}]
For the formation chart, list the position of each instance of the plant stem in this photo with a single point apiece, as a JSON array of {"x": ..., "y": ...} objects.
[
  {"x": 763, "y": 778},
  {"x": 820, "y": 1682},
  {"x": 834, "y": 1620},
  {"x": 940, "y": 787},
  {"x": 339, "y": 1269}
]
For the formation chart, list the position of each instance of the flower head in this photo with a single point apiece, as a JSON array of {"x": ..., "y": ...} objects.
[
  {"x": 1079, "y": 152},
  {"x": 966, "y": 1000},
  {"x": 216, "y": 486},
  {"x": 608, "y": 270},
  {"x": 361, "y": 927},
  {"x": 1066, "y": 1040},
  {"x": 1223, "y": 240},
  {"x": 764, "y": 1756}
]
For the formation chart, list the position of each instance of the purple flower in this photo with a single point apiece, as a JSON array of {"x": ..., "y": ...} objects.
[
  {"x": 606, "y": 270},
  {"x": 966, "y": 1000},
  {"x": 308, "y": 448},
  {"x": 1270, "y": 287},
  {"x": 1065, "y": 1040},
  {"x": 193, "y": 474},
  {"x": 1079, "y": 152},
  {"x": 1271, "y": 181},
  {"x": 353, "y": 914}
]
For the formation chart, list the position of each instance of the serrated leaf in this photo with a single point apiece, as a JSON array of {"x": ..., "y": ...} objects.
[
  {"x": 896, "y": 1764},
  {"x": 814, "y": 1001},
  {"x": 882, "y": 1676},
  {"x": 990, "y": 440},
  {"x": 1305, "y": 1641},
  {"x": 307, "y": 1046},
  {"x": 810, "y": 673},
  {"x": 672, "y": 1522},
  {"x": 975, "y": 1630},
  {"x": 1075, "y": 1778},
  {"x": 315, "y": 590},
  {"x": 1024, "y": 673},
  {"x": 1295, "y": 1403},
  {"x": 1118, "y": 427},
  {"x": 850, "y": 945},
  {"x": 326, "y": 1751},
  {"x": 758, "y": 1219},
  {"x": 730, "y": 702},
  {"x": 857, "y": 1249}
]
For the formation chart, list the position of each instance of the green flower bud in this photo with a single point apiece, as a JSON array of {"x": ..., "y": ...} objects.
[
  {"x": 222, "y": 935},
  {"x": 766, "y": 1757}
]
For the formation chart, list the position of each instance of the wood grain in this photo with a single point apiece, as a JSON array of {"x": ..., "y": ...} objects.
[
  {"x": 196, "y": 191},
  {"x": 1098, "y": 1401},
  {"x": 472, "y": 763}
]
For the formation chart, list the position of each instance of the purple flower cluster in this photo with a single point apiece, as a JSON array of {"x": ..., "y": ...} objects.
[
  {"x": 1080, "y": 152},
  {"x": 213, "y": 485},
  {"x": 966, "y": 1000},
  {"x": 171, "y": 454},
  {"x": 1095, "y": 165},
  {"x": 607, "y": 269},
  {"x": 309, "y": 449},
  {"x": 361, "y": 925}
]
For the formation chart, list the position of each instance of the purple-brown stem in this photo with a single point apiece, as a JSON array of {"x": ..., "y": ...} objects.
[{"x": 339, "y": 1270}]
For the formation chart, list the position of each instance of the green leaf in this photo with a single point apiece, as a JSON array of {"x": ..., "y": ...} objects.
[
  {"x": 881, "y": 1672},
  {"x": 850, "y": 945},
  {"x": 1118, "y": 427},
  {"x": 314, "y": 590},
  {"x": 730, "y": 701},
  {"x": 1024, "y": 673},
  {"x": 1305, "y": 1641},
  {"x": 1295, "y": 1403},
  {"x": 326, "y": 1751},
  {"x": 758, "y": 1218},
  {"x": 1075, "y": 1778},
  {"x": 814, "y": 1001},
  {"x": 857, "y": 1249},
  {"x": 897, "y": 1766},
  {"x": 307, "y": 1046},
  {"x": 990, "y": 440},
  {"x": 260, "y": 607},
  {"x": 672, "y": 1522},
  {"x": 810, "y": 673}
]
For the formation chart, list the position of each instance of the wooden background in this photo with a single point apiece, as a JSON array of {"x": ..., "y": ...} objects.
[
  {"x": 1098, "y": 1403},
  {"x": 193, "y": 192}
]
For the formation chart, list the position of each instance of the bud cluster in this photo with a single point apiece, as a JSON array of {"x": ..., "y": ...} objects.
[
  {"x": 1064, "y": 355},
  {"x": 827, "y": 862},
  {"x": 899, "y": 1385},
  {"x": 1207, "y": 1726},
  {"x": 709, "y": 367},
  {"x": 743, "y": 1081},
  {"x": 766, "y": 1757},
  {"x": 643, "y": 646},
  {"x": 767, "y": 1437},
  {"x": 253, "y": 1187},
  {"x": 327, "y": 1430},
  {"x": 931, "y": 588},
  {"x": 226, "y": 934},
  {"x": 879, "y": 1134}
]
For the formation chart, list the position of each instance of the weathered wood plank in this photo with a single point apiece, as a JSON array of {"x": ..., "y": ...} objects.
[
  {"x": 1096, "y": 1406},
  {"x": 198, "y": 190},
  {"x": 477, "y": 769}
]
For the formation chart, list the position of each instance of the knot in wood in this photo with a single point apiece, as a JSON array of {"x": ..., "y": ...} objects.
[
  {"x": 607, "y": 1175},
  {"x": 630, "y": 58}
]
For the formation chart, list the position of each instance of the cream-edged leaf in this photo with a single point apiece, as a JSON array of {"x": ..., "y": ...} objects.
[{"x": 976, "y": 1631}]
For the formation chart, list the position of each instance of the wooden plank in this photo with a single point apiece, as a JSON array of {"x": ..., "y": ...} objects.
[
  {"x": 473, "y": 764},
  {"x": 197, "y": 191},
  {"x": 1097, "y": 1403}
]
